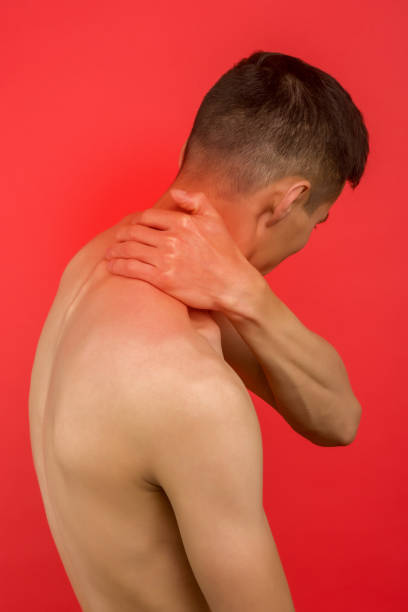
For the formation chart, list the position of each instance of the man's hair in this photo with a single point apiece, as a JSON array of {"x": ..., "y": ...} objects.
[{"x": 273, "y": 115}]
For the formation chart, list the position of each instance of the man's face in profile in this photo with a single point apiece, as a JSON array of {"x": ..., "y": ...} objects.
[
  {"x": 265, "y": 239},
  {"x": 289, "y": 235},
  {"x": 265, "y": 233}
]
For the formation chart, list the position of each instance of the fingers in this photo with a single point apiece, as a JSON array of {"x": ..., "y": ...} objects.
[
  {"x": 195, "y": 203},
  {"x": 132, "y": 268},
  {"x": 159, "y": 218},
  {"x": 184, "y": 199},
  {"x": 133, "y": 250},
  {"x": 141, "y": 233}
]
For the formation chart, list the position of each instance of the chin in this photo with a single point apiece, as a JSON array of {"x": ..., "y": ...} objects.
[
  {"x": 266, "y": 269},
  {"x": 271, "y": 266}
]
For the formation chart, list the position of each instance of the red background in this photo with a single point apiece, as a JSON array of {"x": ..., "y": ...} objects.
[{"x": 96, "y": 101}]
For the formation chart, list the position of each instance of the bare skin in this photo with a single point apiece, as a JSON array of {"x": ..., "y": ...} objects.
[{"x": 105, "y": 362}]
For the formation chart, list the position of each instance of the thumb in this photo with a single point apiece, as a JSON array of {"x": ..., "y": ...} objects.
[{"x": 196, "y": 203}]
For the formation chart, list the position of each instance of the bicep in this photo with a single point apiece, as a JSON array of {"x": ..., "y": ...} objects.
[{"x": 242, "y": 360}]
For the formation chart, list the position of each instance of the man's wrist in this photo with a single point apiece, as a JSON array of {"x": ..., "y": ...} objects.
[{"x": 244, "y": 297}]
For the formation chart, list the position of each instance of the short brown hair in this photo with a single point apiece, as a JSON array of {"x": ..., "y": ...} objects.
[{"x": 273, "y": 115}]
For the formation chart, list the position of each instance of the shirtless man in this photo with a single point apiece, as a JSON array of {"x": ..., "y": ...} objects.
[{"x": 145, "y": 441}]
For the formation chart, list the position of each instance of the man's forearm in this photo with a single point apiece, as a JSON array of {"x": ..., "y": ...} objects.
[{"x": 305, "y": 373}]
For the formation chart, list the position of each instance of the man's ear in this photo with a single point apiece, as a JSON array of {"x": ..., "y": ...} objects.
[
  {"x": 181, "y": 157},
  {"x": 292, "y": 197}
]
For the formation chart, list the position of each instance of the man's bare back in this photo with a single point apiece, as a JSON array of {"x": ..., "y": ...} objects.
[{"x": 116, "y": 356}]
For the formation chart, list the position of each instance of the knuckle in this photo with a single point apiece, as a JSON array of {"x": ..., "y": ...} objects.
[
  {"x": 171, "y": 243},
  {"x": 167, "y": 274},
  {"x": 115, "y": 265},
  {"x": 185, "y": 221},
  {"x": 169, "y": 258}
]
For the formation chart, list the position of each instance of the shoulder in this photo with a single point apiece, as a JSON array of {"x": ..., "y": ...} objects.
[
  {"x": 178, "y": 374},
  {"x": 204, "y": 416},
  {"x": 89, "y": 254}
]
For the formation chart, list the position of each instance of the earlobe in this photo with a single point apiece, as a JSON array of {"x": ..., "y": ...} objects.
[
  {"x": 282, "y": 210},
  {"x": 287, "y": 211}
]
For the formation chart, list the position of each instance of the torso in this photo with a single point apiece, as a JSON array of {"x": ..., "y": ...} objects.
[{"x": 115, "y": 531}]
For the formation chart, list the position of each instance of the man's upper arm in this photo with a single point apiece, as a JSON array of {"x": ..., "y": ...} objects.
[
  {"x": 207, "y": 457},
  {"x": 240, "y": 357}
]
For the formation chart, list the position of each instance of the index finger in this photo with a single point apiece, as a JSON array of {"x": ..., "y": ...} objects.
[{"x": 157, "y": 217}]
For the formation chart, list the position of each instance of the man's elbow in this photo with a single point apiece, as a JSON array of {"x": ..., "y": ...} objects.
[
  {"x": 338, "y": 436},
  {"x": 350, "y": 431}
]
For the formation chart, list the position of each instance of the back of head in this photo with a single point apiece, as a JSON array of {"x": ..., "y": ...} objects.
[{"x": 273, "y": 115}]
